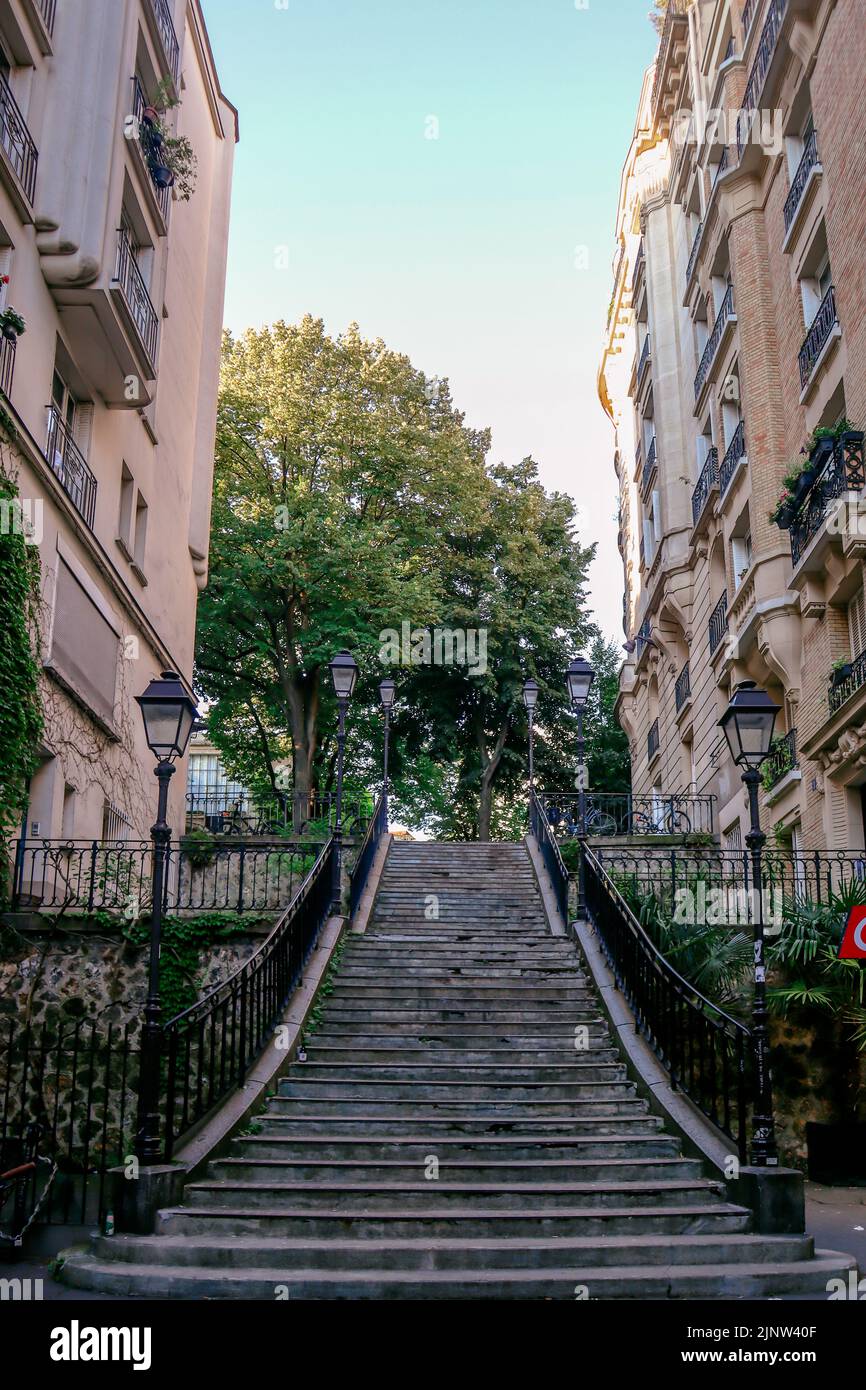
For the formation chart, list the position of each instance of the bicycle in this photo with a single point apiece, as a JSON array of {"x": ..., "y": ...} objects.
[
  {"x": 673, "y": 820},
  {"x": 14, "y": 1184},
  {"x": 565, "y": 821}
]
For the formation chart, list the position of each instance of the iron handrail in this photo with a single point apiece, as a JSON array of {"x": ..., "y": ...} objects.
[
  {"x": 550, "y": 852},
  {"x": 360, "y": 873}
]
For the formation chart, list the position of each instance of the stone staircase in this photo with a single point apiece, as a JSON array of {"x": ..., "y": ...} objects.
[{"x": 446, "y": 1138}]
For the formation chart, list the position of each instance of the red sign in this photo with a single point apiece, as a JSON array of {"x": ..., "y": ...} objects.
[{"x": 854, "y": 941}]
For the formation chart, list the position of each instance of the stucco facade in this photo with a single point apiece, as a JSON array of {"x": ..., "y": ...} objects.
[
  {"x": 737, "y": 329},
  {"x": 112, "y": 390}
]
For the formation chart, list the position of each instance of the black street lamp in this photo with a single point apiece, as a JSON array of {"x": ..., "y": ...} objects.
[
  {"x": 580, "y": 677},
  {"x": 748, "y": 727},
  {"x": 387, "y": 693},
  {"x": 344, "y": 674},
  {"x": 169, "y": 712},
  {"x": 530, "y": 700}
]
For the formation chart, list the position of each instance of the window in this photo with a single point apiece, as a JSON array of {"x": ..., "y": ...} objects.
[
  {"x": 132, "y": 522},
  {"x": 733, "y": 838},
  {"x": 124, "y": 520},
  {"x": 84, "y": 644},
  {"x": 140, "y": 531},
  {"x": 741, "y": 556},
  {"x": 857, "y": 623}
]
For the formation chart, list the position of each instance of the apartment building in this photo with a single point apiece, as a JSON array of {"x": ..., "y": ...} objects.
[
  {"x": 109, "y": 396},
  {"x": 734, "y": 360}
]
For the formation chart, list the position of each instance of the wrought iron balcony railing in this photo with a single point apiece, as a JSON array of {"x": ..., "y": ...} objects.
[
  {"x": 642, "y": 638},
  {"x": 8, "y": 347},
  {"x": 760, "y": 67},
  {"x": 801, "y": 178},
  {"x": 624, "y": 813},
  {"x": 693, "y": 254},
  {"x": 705, "y": 484},
  {"x": 48, "y": 10},
  {"x": 781, "y": 761},
  {"x": 683, "y": 687},
  {"x": 165, "y": 24},
  {"x": 842, "y": 690},
  {"x": 649, "y": 465},
  {"x": 640, "y": 261},
  {"x": 675, "y": 14},
  {"x": 653, "y": 742},
  {"x": 128, "y": 275},
  {"x": 148, "y": 148},
  {"x": 819, "y": 333},
  {"x": 69, "y": 465},
  {"x": 726, "y": 310},
  {"x": 735, "y": 451},
  {"x": 723, "y": 163},
  {"x": 17, "y": 141},
  {"x": 718, "y": 623},
  {"x": 749, "y": 11},
  {"x": 843, "y": 472},
  {"x": 644, "y": 358}
]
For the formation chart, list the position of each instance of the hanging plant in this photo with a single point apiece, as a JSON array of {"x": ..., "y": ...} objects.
[
  {"x": 12, "y": 324},
  {"x": 171, "y": 158}
]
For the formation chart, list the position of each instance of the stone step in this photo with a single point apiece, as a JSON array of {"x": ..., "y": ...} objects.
[
  {"x": 364, "y": 1197},
  {"x": 364, "y": 1071},
  {"x": 427, "y": 1018},
  {"x": 512, "y": 1109},
  {"x": 468, "y": 1172},
  {"x": 514, "y": 993},
  {"x": 448, "y": 1253},
  {"x": 439, "y": 1092},
  {"x": 540, "y": 1033},
  {"x": 412, "y": 1053},
  {"x": 467, "y": 1126},
  {"x": 698, "y": 1281},
  {"x": 484, "y": 977},
  {"x": 716, "y": 1218},
  {"x": 451, "y": 1148}
]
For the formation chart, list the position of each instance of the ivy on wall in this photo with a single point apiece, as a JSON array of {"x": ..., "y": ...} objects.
[
  {"x": 21, "y": 720},
  {"x": 183, "y": 939}
]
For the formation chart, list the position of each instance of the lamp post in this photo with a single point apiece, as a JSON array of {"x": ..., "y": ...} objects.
[
  {"x": 387, "y": 692},
  {"x": 530, "y": 700},
  {"x": 580, "y": 677},
  {"x": 748, "y": 727},
  {"x": 344, "y": 674},
  {"x": 168, "y": 712}
]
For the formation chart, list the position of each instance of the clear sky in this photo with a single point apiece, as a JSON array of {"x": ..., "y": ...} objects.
[{"x": 485, "y": 252}]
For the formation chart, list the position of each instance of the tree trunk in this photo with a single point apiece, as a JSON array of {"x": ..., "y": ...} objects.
[
  {"x": 485, "y": 809},
  {"x": 489, "y": 767},
  {"x": 302, "y": 697}
]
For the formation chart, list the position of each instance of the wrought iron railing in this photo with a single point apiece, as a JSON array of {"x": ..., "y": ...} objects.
[
  {"x": 801, "y": 177},
  {"x": 639, "y": 263},
  {"x": 782, "y": 759},
  {"x": 643, "y": 638},
  {"x": 726, "y": 310},
  {"x": 683, "y": 687},
  {"x": 649, "y": 465},
  {"x": 165, "y": 24},
  {"x": 128, "y": 275},
  {"x": 149, "y": 147},
  {"x": 734, "y": 452},
  {"x": 376, "y": 829},
  {"x": 17, "y": 141},
  {"x": 87, "y": 876},
  {"x": 842, "y": 473},
  {"x": 722, "y": 165},
  {"x": 48, "y": 10},
  {"x": 69, "y": 466},
  {"x": 763, "y": 58},
  {"x": 819, "y": 333},
  {"x": 693, "y": 254},
  {"x": 708, "y": 479},
  {"x": 209, "y": 1048},
  {"x": 226, "y": 809},
  {"x": 625, "y": 813},
  {"x": 549, "y": 849},
  {"x": 703, "y": 1049},
  {"x": 644, "y": 357},
  {"x": 749, "y": 10},
  {"x": 676, "y": 10},
  {"x": 67, "y": 1098},
  {"x": 8, "y": 348},
  {"x": 718, "y": 623},
  {"x": 842, "y": 689},
  {"x": 653, "y": 741}
]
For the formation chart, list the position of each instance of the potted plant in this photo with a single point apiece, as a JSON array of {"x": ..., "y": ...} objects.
[
  {"x": 170, "y": 158},
  {"x": 11, "y": 324},
  {"x": 785, "y": 510},
  {"x": 841, "y": 671}
]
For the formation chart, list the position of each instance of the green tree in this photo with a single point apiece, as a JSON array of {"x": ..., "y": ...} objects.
[
  {"x": 339, "y": 468},
  {"x": 607, "y": 752}
]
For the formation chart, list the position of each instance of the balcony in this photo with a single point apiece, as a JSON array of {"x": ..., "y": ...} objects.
[
  {"x": 846, "y": 682},
  {"x": 693, "y": 255},
  {"x": 140, "y": 313},
  {"x": 734, "y": 455},
  {"x": 653, "y": 742},
  {"x": 639, "y": 265},
  {"x": 19, "y": 154},
  {"x": 683, "y": 688},
  {"x": 162, "y": 196},
  {"x": 841, "y": 472},
  {"x": 8, "y": 347},
  {"x": 723, "y": 164},
  {"x": 649, "y": 467},
  {"x": 760, "y": 67},
  {"x": 159, "y": 13},
  {"x": 69, "y": 466},
  {"x": 718, "y": 623},
  {"x": 782, "y": 760},
  {"x": 643, "y": 639},
  {"x": 706, "y": 482},
  {"x": 670, "y": 63},
  {"x": 48, "y": 10},
  {"x": 807, "y": 170},
  {"x": 724, "y": 317},
  {"x": 749, "y": 11},
  {"x": 825, "y": 328},
  {"x": 643, "y": 360}
]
